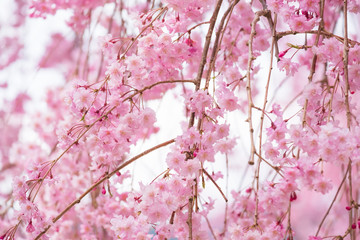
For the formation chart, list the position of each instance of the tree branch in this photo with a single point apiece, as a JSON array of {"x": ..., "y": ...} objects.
[{"x": 106, "y": 177}]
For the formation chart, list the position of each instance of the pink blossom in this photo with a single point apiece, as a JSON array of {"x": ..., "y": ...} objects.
[
  {"x": 289, "y": 66},
  {"x": 198, "y": 102},
  {"x": 322, "y": 185}
]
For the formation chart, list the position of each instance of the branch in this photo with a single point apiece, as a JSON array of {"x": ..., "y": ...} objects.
[
  {"x": 322, "y": 32},
  {"x": 257, "y": 171},
  {"x": 104, "y": 178},
  {"x": 272, "y": 25},
  {"x": 217, "y": 42},
  {"x": 313, "y": 64},
  {"x": 217, "y": 186},
  {"x": 190, "y": 29},
  {"x": 348, "y": 114},
  {"x": 204, "y": 54},
  {"x": 197, "y": 87},
  {"x": 248, "y": 85},
  {"x": 332, "y": 203}
]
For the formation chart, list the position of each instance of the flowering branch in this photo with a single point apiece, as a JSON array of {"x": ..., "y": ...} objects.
[{"x": 104, "y": 178}]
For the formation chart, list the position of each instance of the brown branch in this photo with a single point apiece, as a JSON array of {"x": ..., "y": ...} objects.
[
  {"x": 332, "y": 203},
  {"x": 248, "y": 85},
  {"x": 289, "y": 228},
  {"x": 197, "y": 87},
  {"x": 210, "y": 228},
  {"x": 337, "y": 80},
  {"x": 215, "y": 50},
  {"x": 104, "y": 178},
  {"x": 217, "y": 42},
  {"x": 313, "y": 63},
  {"x": 190, "y": 29},
  {"x": 227, "y": 193},
  {"x": 320, "y": 28},
  {"x": 204, "y": 54},
  {"x": 257, "y": 172},
  {"x": 348, "y": 114},
  {"x": 216, "y": 185},
  {"x": 110, "y": 26},
  {"x": 155, "y": 84},
  {"x": 189, "y": 220},
  {"x": 272, "y": 24},
  {"x": 322, "y": 32},
  {"x": 277, "y": 169}
]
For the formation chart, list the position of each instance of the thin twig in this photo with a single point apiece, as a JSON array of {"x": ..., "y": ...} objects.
[
  {"x": 248, "y": 85},
  {"x": 189, "y": 220},
  {"x": 197, "y": 87},
  {"x": 332, "y": 203},
  {"x": 227, "y": 193},
  {"x": 313, "y": 63},
  {"x": 190, "y": 29},
  {"x": 217, "y": 42},
  {"x": 204, "y": 54},
  {"x": 257, "y": 171},
  {"x": 216, "y": 185},
  {"x": 348, "y": 115},
  {"x": 272, "y": 24},
  {"x": 323, "y": 33},
  {"x": 277, "y": 169}
]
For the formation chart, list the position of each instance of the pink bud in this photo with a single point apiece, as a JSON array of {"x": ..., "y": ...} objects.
[
  {"x": 30, "y": 228},
  {"x": 353, "y": 226},
  {"x": 293, "y": 196},
  {"x": 348, "y": 208},
  {"x": 189, "y": 42},
  {"x": 281, "y": 54},
  {"x": 118, "y": 174},
  {"x": 103, "y": 191}
]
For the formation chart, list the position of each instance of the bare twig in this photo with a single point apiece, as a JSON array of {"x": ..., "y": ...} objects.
[
  {"x": 272, "y": 24},
  {"x": 348, "y": 115},
  {"x": 257, "y": 172},
  {"x": 216, "y": 185},
  {"x": 226, "y": 192},
  {"x": 332, "y": 203},
  {"x": 323, "y": 33},
  {"x": 248, "y": 85},
  {"x": 313, "y": 63},
  {"x": 190, "y": 29},
  {"x": 189, "y": 220}
]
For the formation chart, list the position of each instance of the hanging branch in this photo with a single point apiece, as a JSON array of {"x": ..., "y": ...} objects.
[{"x": 104, "y": 178}]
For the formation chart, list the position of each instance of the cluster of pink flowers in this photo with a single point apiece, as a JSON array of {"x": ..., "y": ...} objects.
[{"x": 268, "y": 92}]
